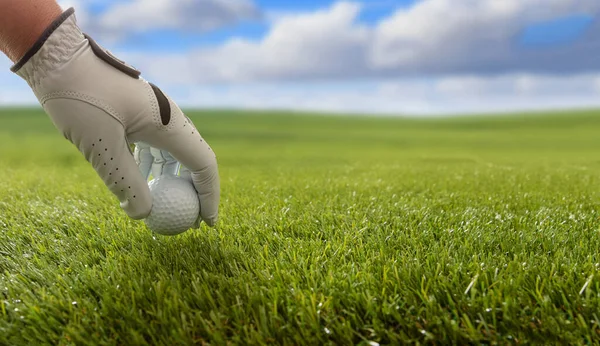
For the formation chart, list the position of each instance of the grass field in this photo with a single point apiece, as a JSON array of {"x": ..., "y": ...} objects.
[{"x": 333, "y": 229}]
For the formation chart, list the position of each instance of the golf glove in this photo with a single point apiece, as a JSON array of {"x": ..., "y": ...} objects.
[{"x": 101, "y": 105}]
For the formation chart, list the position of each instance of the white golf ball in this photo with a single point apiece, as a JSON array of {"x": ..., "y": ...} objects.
[{"x": 175, "y": 205}]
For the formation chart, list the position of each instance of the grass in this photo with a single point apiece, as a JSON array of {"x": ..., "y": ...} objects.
[{"x": 342, "y": 230}]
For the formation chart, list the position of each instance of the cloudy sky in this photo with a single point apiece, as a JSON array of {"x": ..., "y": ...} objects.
[{"x": 379, "y": 56}]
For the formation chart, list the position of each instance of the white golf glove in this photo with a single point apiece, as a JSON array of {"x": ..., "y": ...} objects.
[{"x": 101, "y": 104}]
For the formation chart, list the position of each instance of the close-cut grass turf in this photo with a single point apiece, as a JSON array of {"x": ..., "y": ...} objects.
[{"x": 333, "y": 229}]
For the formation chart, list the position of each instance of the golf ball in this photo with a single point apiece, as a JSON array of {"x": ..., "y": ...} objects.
[{"x": 175, "y": 205}]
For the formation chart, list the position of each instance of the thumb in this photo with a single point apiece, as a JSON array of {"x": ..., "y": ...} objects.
[{"x": 100, "y": 137}]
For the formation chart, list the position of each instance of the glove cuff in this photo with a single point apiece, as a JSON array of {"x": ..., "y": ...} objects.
[{"x": 52, "y": 49}]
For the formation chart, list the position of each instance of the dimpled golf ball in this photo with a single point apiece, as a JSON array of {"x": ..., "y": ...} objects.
[{"x": 175, "y": 205}]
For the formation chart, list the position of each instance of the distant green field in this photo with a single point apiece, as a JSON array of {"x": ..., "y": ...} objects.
[{"x": 344, "y": 230}]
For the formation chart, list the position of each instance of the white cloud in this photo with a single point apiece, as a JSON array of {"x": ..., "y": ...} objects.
[
  {"x": 476, "y": 35},
  {"x": 13, "y": 89},
  {"x": 325, "y": 43},
  {"x": 81, "y": 11},
  {"x": 438, "y": 56},
  {"x": 189, "y": 15},
  {"x": 431, "y": 38},
  {"x": 124, "y": 18},
  {"x": 446, "y": 95},
  {"x": 415, "y": 96},
  {"x": 517, "y": 92}
]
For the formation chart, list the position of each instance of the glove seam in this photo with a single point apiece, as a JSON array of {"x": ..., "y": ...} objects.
[
  {"x": 174, "y": 115},
  {"x": 153, "y": 104},
  {"x": 156, "y": 112},
  {"x": 74, "y": 95}
]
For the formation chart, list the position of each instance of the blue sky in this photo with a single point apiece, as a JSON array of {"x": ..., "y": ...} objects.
[
  {"x": 379, "y": 56},
  {"x": 254, "y": 29},
  {"x": 558, "y": 31}
]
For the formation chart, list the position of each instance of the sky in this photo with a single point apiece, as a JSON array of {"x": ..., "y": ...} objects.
[{"x": 396, "y": 57}]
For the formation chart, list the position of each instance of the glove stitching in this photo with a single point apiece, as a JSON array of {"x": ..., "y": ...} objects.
[
  {"x": 154, "y": 106},
  {"x": 174, "y": 114},
  {"x": 156, "y": 111},
  {"x": 85, "y": 98}
]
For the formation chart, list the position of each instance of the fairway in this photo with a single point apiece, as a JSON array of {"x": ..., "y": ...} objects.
[{"x": 333, "y": 229}]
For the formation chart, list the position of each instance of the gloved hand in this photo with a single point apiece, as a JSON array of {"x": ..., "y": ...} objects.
[{"x": 101, "y": 105}]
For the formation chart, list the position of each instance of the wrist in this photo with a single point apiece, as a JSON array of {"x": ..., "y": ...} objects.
[
  {"x": 38, "y": 41},
  {"x": 26, "y": 21}
]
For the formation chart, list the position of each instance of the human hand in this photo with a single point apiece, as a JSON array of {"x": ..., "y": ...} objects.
[{"x": 101, "y": 105}]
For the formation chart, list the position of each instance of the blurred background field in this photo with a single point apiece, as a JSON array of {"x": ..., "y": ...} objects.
[
  {"x": 246, "y": 137},
  {"x": 337, "y": 229}
]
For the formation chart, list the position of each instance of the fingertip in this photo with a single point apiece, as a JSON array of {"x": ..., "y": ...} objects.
[
  {"x": 211, "y": 222},
  {"x": 137, "y": 202},
  {"x": 138, "y": 209}
]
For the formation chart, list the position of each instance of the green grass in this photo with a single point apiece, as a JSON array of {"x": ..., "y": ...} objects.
[{"x": 333, "y": 229}]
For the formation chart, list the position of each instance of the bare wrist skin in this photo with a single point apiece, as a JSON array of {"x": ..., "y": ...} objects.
[{"x": 22, "y": 22}]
